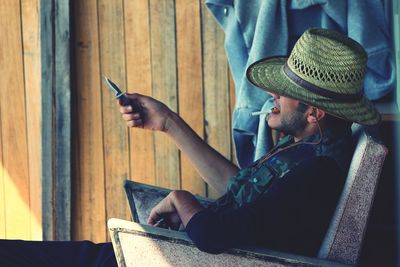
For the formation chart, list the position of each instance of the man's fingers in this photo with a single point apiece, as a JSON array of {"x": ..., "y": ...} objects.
[
  {"x": 131, "y": 116},
  {"x": 135, "y": 123},
  {"x": 125, "y": 109},
  {"x": 133, "y": 119},
  {"x": 153, "y": 218}
]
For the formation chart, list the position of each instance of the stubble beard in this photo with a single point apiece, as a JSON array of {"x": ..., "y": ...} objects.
[{"x": 292, "y": 123}]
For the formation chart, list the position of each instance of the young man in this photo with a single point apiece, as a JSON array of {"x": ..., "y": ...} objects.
[{"x": 283, "y": 201}]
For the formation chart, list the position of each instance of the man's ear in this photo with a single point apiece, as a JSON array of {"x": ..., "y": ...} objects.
[{"x": 315, "y": 114}]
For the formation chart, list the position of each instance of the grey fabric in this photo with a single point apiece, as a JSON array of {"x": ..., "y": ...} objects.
[
  {"x": 343, "y": 240},
  {"x": 142, "y": 245}
]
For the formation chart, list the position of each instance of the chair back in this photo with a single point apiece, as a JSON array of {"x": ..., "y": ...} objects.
[{"x": 343, "y": 240}]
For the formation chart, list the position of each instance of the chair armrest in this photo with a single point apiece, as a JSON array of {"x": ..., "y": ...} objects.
[{"x": 143, "y": 245}]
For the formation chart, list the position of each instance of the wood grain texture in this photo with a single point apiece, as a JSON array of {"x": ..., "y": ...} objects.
[
  {"x": 150, "y": 47},
  {"x": 232, "y": 95},
  {"x": 62, "y": 119},
  {"x": 47, "y": 106},
  {"x": 89, "y": 183},
  {"x": 168, "y": 49},
  {"x": 2, "y": 196},
  {"x": 56, "y": 120},
  {"x": 216, "y": 89},
  {"x": 190, "y": 83},
  {"x": 138, "y": 66},
  {"x": 13, "y": 119},
  {"x": 164, "y": 86},
  {"x": 116, "y": 141},
  {"x": 32, "y": 68}
]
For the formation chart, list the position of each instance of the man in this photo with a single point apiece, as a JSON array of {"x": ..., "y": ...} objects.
[{"x": 285, "y": 200}]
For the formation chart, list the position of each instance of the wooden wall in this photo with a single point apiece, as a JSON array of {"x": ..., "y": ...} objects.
[
  {"x": 172, "y": 50},
  {"x": 20, "y": 121}
]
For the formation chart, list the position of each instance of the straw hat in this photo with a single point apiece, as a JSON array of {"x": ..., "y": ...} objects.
[{"x": 325, "y": 70}]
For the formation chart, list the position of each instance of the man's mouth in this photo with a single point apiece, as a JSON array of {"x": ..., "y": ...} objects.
[{"x": 275, "y": 110}]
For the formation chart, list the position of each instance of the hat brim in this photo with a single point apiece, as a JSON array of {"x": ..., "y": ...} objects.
[{"x": 268, "y": 74}]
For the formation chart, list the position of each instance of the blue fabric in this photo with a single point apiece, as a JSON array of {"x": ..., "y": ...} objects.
[{"x": 257, "y": 29}]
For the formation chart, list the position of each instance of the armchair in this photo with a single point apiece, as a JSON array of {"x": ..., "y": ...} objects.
[{"x": 137, "y": 244}]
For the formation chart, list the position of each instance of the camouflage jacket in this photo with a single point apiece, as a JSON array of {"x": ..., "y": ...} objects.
[{"x": 253, "y": 181}]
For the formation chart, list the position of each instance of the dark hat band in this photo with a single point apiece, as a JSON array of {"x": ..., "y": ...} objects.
[{"x": 345, "y": 98}]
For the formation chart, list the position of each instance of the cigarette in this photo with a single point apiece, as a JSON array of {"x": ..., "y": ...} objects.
[
  {"x": 160, "y": 221},
  {"x": 274, "y": 110},
  {"x": 257, "y": 113}
]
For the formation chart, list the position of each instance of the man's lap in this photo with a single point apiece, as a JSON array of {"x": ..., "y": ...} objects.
[{"x": 55, "y": 253}]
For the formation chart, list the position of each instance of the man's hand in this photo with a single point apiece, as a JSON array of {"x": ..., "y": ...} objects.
[
  {"x": 167, "y": 211},
  {"x": 154, "y": 115},
  {"x": 178, "y": 207}
]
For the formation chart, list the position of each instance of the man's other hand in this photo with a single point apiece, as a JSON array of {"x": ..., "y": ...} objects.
[
  {"x": 176, "y": 208},
  {"x": 165, "y": 210}
]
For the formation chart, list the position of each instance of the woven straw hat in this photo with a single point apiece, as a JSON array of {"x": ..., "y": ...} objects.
[{"x": 325, "y": 69}]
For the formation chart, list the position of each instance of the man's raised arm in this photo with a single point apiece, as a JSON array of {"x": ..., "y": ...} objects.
[{"x": 214, "y": 168}]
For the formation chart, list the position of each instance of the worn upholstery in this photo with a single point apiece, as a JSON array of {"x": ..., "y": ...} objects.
[
  {"x": 142, "y": 245},
  {"x": 342, "y": 242}
]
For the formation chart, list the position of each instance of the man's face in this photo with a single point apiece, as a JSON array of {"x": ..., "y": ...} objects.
[{"x": 290, "y": 120}]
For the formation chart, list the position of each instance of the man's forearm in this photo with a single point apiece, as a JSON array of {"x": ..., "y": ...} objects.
[
  {"x": 215, "y": 169},
  {"x": 185, "y": 204}
]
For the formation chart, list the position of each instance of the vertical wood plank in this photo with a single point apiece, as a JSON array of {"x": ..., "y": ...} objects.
[
  {"x": 62, "y": 119},
  {"x": 89, "y": 187},
  {"x": 164, "y": 78},
  {"x": 216, "y": 88},
  {"x": 137, "y": 37},
  {"x": 2, "y": 197},
  {"x": 56, "y": 119},
  {"x": 32, "y": 67},
  {"x": 116, "y": 143},
  {"x": 188, "y": 30},
  {"x": 12, "y": 100},
  {"x": 47, "y": 142},
  {"x": 231, "y": 109}
]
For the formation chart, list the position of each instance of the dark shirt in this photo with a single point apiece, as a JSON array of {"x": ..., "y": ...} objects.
[{"x": 293, "y": 215}]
